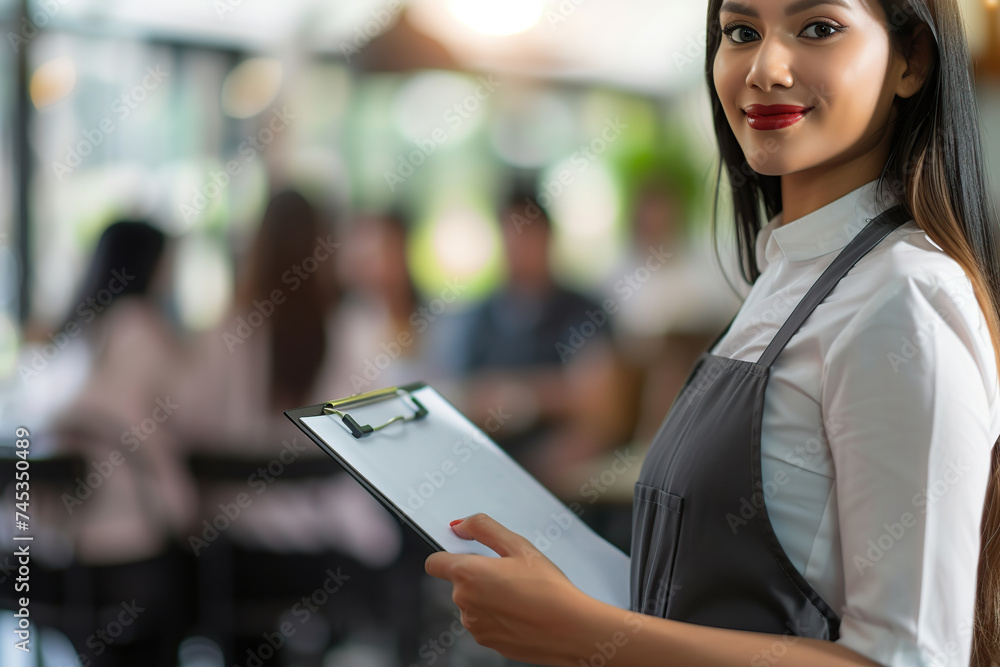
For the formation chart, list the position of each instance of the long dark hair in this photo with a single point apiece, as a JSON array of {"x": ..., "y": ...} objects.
[
  {"x": 288, "y": 234},
  {"x": 936, "y": 169},
  {"x": 130, "y": 248}
]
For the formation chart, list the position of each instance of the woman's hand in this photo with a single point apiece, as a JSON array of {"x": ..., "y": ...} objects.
[{"x": 520, "y": 604}]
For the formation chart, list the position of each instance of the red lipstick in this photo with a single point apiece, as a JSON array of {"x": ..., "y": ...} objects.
[{"x": 774, "y": 116}]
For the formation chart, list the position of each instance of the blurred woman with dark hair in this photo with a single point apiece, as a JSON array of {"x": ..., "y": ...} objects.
[
  {"x": 132, "y": 344},
  {"x": 271, "y": 350},
  {"x": 126, "y": 509},
  {"x": 279, "y": 347},
  {"x": 286, "y": 253}
]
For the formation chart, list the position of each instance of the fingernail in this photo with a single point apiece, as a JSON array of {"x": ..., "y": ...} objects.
[{"x": 456, "y": 521}]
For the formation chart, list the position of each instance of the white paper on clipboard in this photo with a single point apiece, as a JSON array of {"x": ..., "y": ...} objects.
[{"x": 442, "y": 467}]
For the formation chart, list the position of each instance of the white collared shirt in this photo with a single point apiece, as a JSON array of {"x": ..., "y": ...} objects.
[{"x": 879, "y": 417}]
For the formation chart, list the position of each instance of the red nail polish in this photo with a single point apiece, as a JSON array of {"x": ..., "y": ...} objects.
[{"x": 456, "y": 521}]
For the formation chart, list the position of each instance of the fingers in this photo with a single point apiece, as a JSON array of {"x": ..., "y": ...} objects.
[
  {"x": 449, "y": 566},
  {"x": 439, "y": 564},
  {"x": 484, "y": 529}
]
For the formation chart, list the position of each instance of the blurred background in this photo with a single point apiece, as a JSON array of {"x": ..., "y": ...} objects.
[{"x": 215, "y": 210}]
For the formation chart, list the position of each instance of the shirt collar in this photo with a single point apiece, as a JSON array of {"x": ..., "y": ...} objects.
[{"x": 825, "y": 230}]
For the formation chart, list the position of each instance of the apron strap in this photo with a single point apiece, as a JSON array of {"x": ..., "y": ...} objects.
[{"x": 867, "y": 238}]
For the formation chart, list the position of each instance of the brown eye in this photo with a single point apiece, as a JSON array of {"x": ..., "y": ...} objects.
[
  {"x": 823, "y": 30},
  {"x": 742, "y": 33}
]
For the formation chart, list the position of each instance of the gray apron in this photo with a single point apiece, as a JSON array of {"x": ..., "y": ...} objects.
[{"x": 703, "y": 548}]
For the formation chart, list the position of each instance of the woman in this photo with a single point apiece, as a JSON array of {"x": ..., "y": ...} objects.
[
  {"x": 134, "y": 513},
  {"x": 278, "y": 347},
  {"x": 837, "y": 521},
  {"x": 126, "y": 511}
]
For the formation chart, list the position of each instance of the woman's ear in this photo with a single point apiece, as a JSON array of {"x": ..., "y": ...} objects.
[{"x": 919, "y": 57}]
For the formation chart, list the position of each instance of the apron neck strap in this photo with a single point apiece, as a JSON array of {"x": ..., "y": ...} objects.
[{"x": 876, "y": 230}]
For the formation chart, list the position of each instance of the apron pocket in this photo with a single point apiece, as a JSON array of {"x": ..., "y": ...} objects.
[{"x": 656, "y": 525}]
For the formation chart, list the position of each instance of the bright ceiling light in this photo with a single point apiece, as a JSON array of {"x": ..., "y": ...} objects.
[{"x": 498, "y": 17}]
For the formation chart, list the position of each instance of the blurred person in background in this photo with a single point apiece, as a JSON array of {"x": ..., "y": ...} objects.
[
  {"x": 672, "y": 297},
  {"x": 385, "y": 337},
  {"x": 541, "y": 375},
  {"x": 667, "y": 299},
  {"x": 278, "y": 348},
  {"x": 269, "y": 350},
  {"x": 125, "y": 512}
]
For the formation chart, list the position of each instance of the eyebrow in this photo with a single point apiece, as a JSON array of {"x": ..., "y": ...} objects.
[{"x": 794, "y": 8}]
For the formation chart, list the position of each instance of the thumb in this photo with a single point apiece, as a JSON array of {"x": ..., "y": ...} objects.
[{"x": 487, "y": 531}]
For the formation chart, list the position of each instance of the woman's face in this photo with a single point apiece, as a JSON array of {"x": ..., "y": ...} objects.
[{"x": 831, "y": 61}]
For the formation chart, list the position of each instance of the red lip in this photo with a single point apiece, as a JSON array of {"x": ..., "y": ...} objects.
[{"x": 774, "y": 116}]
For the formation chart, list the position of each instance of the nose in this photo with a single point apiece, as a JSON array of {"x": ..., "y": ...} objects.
[{"x": 770, "y": 65}]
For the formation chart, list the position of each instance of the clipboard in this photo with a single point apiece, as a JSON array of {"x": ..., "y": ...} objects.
[{"x": 425, "y": 462}]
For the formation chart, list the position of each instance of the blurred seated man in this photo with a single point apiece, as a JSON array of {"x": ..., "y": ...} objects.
[{"x": 541, "y": 373}]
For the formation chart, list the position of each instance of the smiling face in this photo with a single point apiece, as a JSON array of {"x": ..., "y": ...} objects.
[{"x": 826, "y": 68}]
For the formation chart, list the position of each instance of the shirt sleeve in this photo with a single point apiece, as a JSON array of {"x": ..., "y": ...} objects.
[{"x": 906, "y": 408}]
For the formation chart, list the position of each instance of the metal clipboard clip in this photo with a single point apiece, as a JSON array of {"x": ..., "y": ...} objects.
[{"x": 357, "y": 400}]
